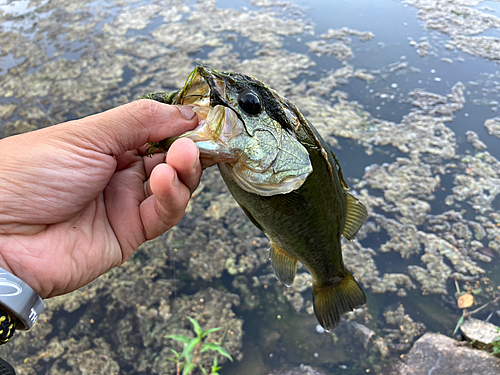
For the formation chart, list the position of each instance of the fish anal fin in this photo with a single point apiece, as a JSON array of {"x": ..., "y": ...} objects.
[
  {"x": 355, "y": 217},
  {"x": 332, "y": 300},
  {"x": 284, "y": 266}
]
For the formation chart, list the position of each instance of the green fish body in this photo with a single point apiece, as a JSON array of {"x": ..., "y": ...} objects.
[{"x": 284, "y": 176}]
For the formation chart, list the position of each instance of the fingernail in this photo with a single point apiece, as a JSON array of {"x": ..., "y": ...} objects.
[
  {"x": 187, "y": 111},
  {"x": 197, "y": 159},
  {"x": 175, "y": 180}
]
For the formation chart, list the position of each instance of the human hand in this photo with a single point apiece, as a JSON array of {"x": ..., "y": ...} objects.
[{"x": 73, "y": 200}]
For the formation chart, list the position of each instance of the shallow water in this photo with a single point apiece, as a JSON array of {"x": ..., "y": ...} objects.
[{"x": 109, "y": 69}]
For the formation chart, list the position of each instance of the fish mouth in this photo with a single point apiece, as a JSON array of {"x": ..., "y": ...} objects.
[{"x": 205, "y": 92}]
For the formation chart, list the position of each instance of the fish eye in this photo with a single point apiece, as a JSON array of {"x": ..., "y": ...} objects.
[{"x": 249, "y": 103}]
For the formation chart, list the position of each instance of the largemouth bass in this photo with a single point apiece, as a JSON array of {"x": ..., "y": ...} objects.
[{"x": 283, "y": 175}]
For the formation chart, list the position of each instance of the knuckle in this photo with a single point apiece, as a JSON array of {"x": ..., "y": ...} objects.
[
  {"x": 149, "y": 108},
  {"x": 144, "y": 111}
]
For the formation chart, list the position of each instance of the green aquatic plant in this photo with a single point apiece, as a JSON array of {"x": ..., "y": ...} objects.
[
  {"x": 186, "y": 361},
  {"x": 496, "y": 343}
]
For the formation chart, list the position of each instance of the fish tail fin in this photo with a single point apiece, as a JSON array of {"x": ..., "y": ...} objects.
[{"x": 332, "y": 300}]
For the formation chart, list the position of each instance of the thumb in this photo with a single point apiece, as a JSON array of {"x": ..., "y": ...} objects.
[{"x": 129, "y": 126}]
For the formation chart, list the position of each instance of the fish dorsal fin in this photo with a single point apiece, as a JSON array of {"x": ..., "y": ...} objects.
[
  {"x": 285, "y": 267},
  {"x": 355, "y": 218},
  {"x": 339, "y": 169}
]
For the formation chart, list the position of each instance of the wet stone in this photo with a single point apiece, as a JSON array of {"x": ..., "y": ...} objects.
[
  {"x": 362, "y": 332},
  {"x": 437, "y": 354},
  {"x": 480, "y": 332}
]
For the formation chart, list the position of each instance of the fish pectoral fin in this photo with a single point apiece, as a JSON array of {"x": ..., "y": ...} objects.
[
  {"x": 356, "y": 216},
  {"x": 331, "y": 301},
  {"x": 284, "y": 266}
]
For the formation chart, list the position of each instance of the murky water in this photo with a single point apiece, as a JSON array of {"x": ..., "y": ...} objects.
[{"x": 432, "y": 193}]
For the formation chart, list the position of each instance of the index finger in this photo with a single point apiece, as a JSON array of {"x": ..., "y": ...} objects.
[{"x": 129, "y": 126}]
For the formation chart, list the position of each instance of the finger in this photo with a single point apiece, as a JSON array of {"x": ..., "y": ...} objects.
[
  {"x": 184, "y": 157},
  {"x": 146, "y": 150},
  {"x": 125, "y": 160},
  {"x": 165, "y": 208},
  {"x": 150, "y": 162},
  {"x": 147, "y": 189},
  {"x": 129, "y": 126}
]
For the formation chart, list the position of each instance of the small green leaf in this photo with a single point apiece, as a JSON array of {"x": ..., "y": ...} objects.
[
  {"x": 209, "y": 331},
  {"x": 188, "y": 369},
  {"x": 460, "y": 322},
  {"x": 203, "y": 370},
  {"x": 181, "y": 338},
  {"x": 210, "y": 346},
  {"x": 216, "y": 348},
  {"x": 196, "y": 326},
  {"x": 215, "y": 363},
  {"x": 189, "y": 347}
]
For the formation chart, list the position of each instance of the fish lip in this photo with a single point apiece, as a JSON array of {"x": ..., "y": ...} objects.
[{"x": 218, "y": 120}]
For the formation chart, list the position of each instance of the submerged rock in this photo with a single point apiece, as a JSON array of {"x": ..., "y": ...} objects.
[
  {"x": 362, "y": 332},
  {"x": 437, "y": 354},
  {"x": 481, "y": 333}
]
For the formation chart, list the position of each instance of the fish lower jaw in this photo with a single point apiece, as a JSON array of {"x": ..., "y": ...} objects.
[{"x": 214, "y": 135}]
